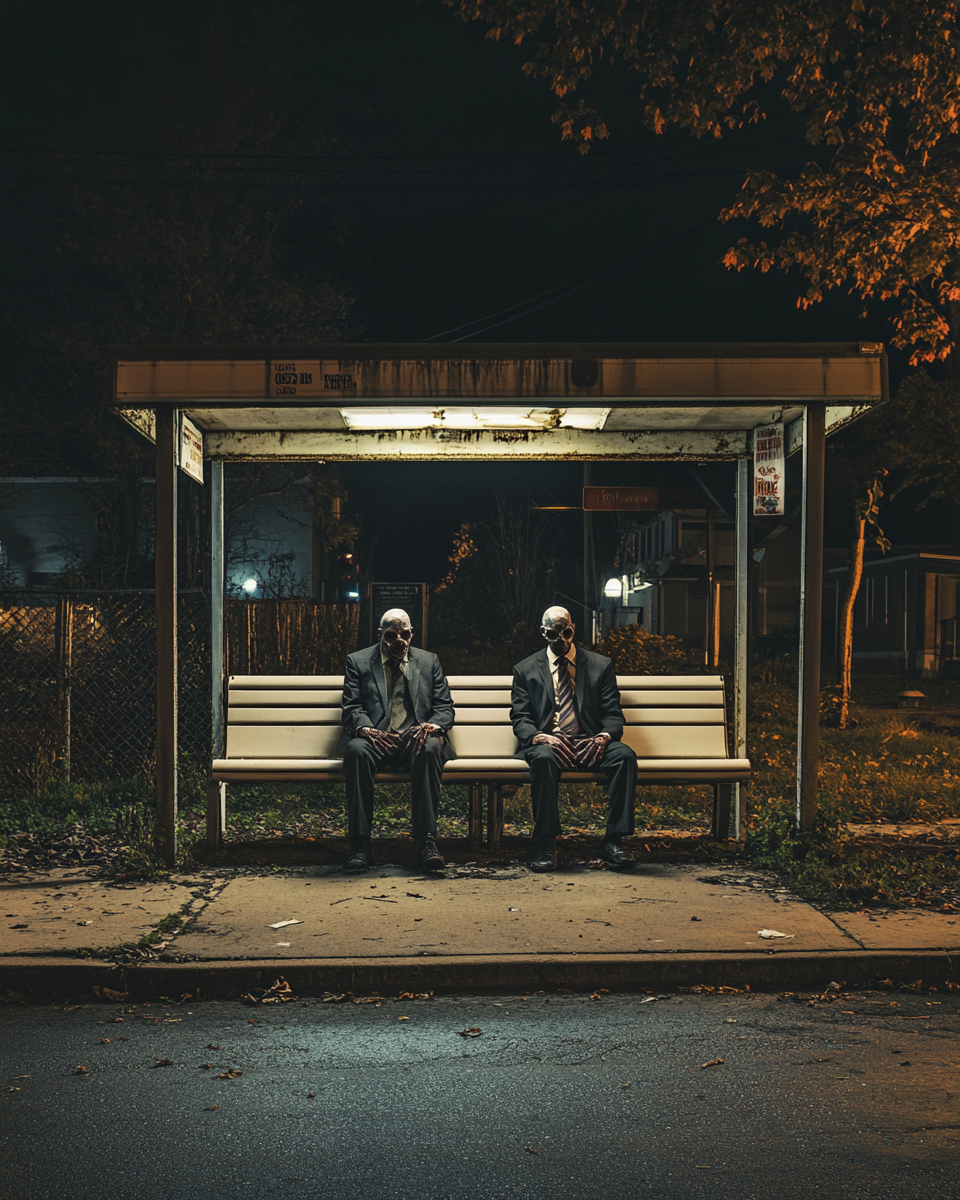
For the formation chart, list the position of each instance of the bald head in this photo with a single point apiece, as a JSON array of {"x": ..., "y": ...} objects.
[
  {"x": 394, "y": 616},
  {"x": 396, "y": 632},
  {"x": 558, "y": 628}
]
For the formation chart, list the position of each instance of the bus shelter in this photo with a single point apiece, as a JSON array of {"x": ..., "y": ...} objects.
[{"x": 507, "y": 402}]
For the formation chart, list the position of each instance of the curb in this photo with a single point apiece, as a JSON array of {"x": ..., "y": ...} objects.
[{"x": 770, "y": 972}]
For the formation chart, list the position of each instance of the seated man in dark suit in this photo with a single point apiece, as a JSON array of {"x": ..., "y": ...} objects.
[
  {"x": 397, "y": 712},
  {"x": 566, "y": 714}
]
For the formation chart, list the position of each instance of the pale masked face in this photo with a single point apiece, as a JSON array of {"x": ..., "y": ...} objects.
[
  {"x": 558, "y": 630},
  {"x": 395, "y": 638}
]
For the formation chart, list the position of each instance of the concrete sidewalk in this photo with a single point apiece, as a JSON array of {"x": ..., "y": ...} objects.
[{"x": 665, "y": 925}]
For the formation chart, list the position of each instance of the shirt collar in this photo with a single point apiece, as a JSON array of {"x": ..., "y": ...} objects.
[
  {"x": 384, "y": 656},
  {"x": 554, "y": 657}
]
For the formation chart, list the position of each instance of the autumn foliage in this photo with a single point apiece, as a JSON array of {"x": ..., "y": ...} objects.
[{"x": 878, "y": 86}]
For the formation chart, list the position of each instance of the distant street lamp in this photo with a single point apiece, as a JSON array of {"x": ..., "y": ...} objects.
[
  {"x": 250, "y": 586},
  {"x": 612, "y": 588}
]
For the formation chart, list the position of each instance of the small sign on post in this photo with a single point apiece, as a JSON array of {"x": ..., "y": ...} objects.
[
  {"x": 639, "y": 499},
  {"x": 191, "y": 449},
  {"x": 413, "y": 598},
  {"x": 769, "y": 471}
]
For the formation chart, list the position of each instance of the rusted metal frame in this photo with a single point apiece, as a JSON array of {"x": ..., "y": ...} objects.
[
  {"x": 415, "y": 445},
  {"x": 811, "y": 585},
  {"x": 166, "y": 602},
  {"x": 475, "y": 816},
  {"x": 217, "y": 792},
  {"x": 741, "y": 640}
]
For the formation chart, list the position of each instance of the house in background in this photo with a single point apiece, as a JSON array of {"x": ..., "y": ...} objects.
[
  {"x": 905, "y": 616},
  {"x": 52, "y": 528}
]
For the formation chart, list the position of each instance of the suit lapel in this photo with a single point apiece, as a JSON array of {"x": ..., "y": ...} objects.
[
  {"x": 377, "y": 668},
  {"x": 544, "y": 664},
  {"x": 413, "y": 681}
]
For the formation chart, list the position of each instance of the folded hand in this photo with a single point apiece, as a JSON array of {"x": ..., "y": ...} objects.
[
  {"x": 416, "y": 737},
  {"x": 590, "y": 750},
  {"x": 381, "y": 740}
]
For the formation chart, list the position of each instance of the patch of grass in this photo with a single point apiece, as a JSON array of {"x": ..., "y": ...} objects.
[{"x": 838, "y": 871}]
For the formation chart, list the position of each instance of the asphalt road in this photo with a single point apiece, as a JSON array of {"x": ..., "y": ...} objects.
[{"x": 559, "y": 1096}]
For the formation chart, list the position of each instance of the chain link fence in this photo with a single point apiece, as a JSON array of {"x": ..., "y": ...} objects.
[{"x": 78, "y": 676}]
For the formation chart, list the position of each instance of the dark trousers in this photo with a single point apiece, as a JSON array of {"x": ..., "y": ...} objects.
[
  {"x": 619, "y": 765},
  {"x": 361, "y": 762}
]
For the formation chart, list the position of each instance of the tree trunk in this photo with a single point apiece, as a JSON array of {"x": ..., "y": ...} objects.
[{"x": 846, "y": 615}]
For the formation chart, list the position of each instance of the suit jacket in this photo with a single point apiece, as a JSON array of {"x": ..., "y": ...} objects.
[
  {"x": 533, "y": 702},
  {"x": 365, "y": 700}
]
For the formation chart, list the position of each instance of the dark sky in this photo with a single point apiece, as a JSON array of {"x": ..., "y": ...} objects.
[{"x": 448, "y": 202}]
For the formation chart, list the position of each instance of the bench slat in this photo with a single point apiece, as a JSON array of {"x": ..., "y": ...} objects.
[
  {"x": 305, "y": 715},
  {"x": 286, "y": 681},
  {"x": 668, "y": 697},
  {"x": 261, "y": 698},
  {"x": 283, "y": 741},
  {"x": 677, "y": 741},
  {"x": 472, "y": 696},
  {"x": 483, "y": 741}
]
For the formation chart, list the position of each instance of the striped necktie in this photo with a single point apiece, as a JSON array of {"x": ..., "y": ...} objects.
[{"x": 566, "y": 701}]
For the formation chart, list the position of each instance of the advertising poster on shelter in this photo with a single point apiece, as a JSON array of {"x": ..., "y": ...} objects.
[{"x": 769, "y": 470}]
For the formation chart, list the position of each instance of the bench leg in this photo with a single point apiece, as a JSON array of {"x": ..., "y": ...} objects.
[
  {"x": 494, "y": 817},
  {"x": 475, "y": 815},
  {"x": 722, "y": 803},
  {"x": 216, "y": 813}
]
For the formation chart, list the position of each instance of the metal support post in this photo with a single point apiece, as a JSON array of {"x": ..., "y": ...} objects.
[
  {"x": 742, "y": 640},
  {"x": 166, "y": 599},
  {"x": 216, "y": 792},
  {"x": 811, "y": 584},
  {"x": 494, "y": 817},
  {"x": 475, "y": 825}
]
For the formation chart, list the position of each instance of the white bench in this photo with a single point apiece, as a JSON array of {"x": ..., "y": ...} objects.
[{"x": 285, "y": 728}]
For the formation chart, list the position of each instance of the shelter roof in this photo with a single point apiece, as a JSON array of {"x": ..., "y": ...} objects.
[{"x": 495, "y": 400}]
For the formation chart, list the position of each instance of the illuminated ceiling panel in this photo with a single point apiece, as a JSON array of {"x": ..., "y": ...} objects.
[{"x": 474, "y": 418}]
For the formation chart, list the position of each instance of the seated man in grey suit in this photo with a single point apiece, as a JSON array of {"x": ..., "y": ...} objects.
[
  {"x": 397, "y": 712},
  {"x": 566, "y": 714}
]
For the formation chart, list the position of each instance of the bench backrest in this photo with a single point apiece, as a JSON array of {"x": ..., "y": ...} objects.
[{"x": 298, "y": 716}]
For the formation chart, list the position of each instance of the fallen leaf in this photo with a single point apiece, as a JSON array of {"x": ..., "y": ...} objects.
[
  {"x": 472, "y": 1032},
  {"x": 163, "y": 1062},
  {"x": 311, "y": 1095},
  {"x": 530, "y": 1150},
  {"x": 106, "y": 993},
  {"x": 14, "y": 1089},
  {"x": 415, "y": 996},
  {"x": 279, "y": 992},
  {"x": 417, "y": 896},
  {"x": 284, "y": 924},
  {"x": 104, "y": 1041},
  {"x": 403, "y": 1018},
  {"x": 231, "y": 1074},
  {"x": 773, "y": 933},
  {"x": 212, "y": 1108},
  {"x": 650, "y": 999},
  {"x": 211, "y": 1046},
  {"x": 205, "y": 1067},
  {"x": 78, "y": 923},
  {"x": 81, "y": 1070},
  {"x": 714, "y": 1062}
]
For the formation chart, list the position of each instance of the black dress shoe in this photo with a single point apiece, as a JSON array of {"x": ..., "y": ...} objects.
[
  {"x": 429, "y": 858},
  {"x": 615, "y": 856},
  {"x": 544, "y": 856},
  {"x": 359, "y": 858}
]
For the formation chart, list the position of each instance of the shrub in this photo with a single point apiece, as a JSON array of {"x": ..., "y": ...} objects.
[{"x": 633, "y": 651}]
